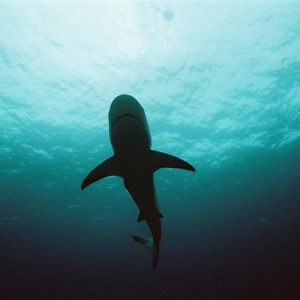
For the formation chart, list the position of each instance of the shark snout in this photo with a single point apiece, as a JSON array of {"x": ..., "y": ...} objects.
[{"x": 125, "y": 105}]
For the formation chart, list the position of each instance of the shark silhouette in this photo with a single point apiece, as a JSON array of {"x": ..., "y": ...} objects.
[{"x": 135, "y": 162}]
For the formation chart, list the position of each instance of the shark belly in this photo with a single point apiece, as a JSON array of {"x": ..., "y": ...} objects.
[
  {"x": 136, "y": 162},
  {"x": 129, "y": 139}
]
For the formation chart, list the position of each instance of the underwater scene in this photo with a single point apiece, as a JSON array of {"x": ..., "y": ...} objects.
[{"x": 219, "y": 85}]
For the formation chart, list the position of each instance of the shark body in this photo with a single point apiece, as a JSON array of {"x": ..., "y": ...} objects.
[{"x": 135, "y": 162}]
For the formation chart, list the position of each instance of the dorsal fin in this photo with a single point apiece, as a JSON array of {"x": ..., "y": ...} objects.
[
  {"x": 162, "y": 160},
  {"x": 107, "y": 168}
]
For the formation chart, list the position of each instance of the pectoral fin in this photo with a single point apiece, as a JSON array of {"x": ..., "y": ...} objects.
[
  {"x": 108, "y": 168},
  {"x": 163, "y": 160}
]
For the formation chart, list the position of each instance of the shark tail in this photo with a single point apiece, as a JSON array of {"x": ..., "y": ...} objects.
[{"x": 149, "y": 244}]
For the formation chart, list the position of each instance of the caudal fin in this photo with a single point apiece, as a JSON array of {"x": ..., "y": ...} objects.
[{"x": 149, "y": 244}]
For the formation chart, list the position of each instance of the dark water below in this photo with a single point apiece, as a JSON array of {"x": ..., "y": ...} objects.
[{"x": 235, "y": 235}]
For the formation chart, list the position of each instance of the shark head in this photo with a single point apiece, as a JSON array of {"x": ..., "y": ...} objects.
[
  {"x": 125, "y": 105},
  {"x": 128, "y": 126}
]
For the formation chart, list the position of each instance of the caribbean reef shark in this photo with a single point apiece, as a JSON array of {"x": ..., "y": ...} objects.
[{"x": 135, "y": 162}]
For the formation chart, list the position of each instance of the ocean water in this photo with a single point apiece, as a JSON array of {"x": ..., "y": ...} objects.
[{"x": 220, "y": 85}]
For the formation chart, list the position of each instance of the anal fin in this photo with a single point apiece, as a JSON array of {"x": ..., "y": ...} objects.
[
  {"x": 141, "y": 217},
  {"x": 155, "y": 214}
]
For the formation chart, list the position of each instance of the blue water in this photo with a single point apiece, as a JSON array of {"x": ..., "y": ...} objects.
[{"x": 220, "y": 85}]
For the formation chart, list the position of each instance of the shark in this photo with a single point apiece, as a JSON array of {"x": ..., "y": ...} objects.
[{"x": 135, "y": 162}]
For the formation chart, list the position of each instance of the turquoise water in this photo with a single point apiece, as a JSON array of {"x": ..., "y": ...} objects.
[{"x": 220, "y": 85}]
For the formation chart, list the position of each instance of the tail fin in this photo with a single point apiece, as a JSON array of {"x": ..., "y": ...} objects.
[{"x": 149, "y": 244}]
